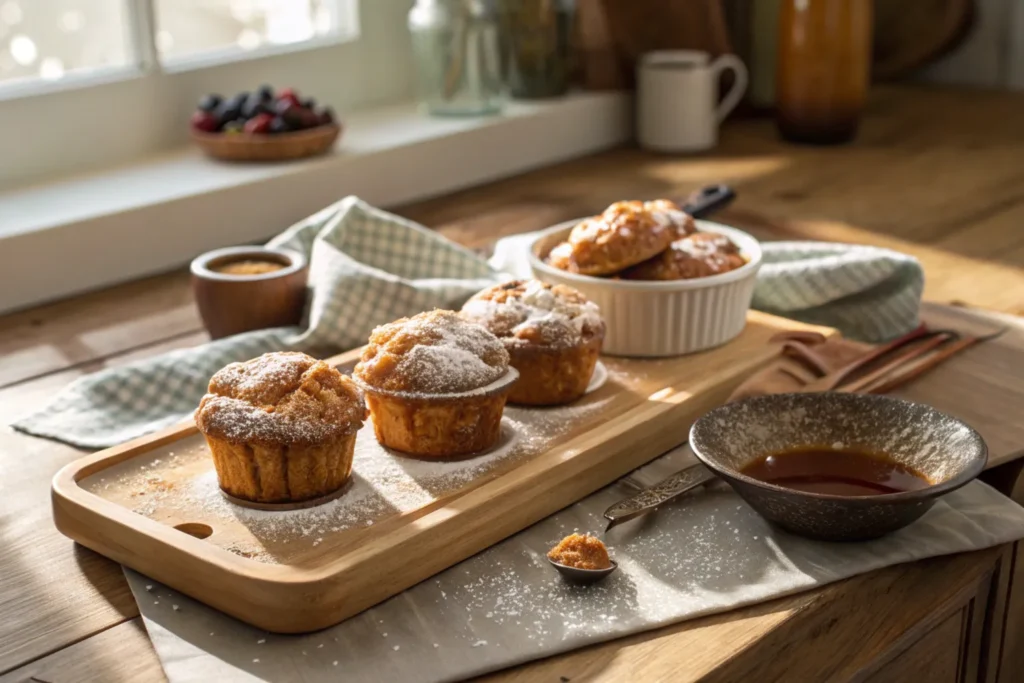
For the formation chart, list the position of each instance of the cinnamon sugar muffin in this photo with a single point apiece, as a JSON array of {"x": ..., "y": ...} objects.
[
  {"x": 625, "y": 234},
  {"x": 436, "y": 385},
  {"x": 553, "y": 335},
  {"x": 281, "y": 427},
  {"x": 699, "y": 255}
]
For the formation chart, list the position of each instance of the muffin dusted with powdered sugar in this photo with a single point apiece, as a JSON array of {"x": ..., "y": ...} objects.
[
  {"x": 281, "y": 427},
  {"x": 553, "y": 335},
  {"x": 530, "y": 312},
  {"x": 436, "y": 385},
  {"x": 431, "y": 353}
]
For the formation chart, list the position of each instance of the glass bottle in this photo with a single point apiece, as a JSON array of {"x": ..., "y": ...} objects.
[
  {"x": 824, "y": 64},
  {"x": 456, "y": 45},
  {"x": 537, "y": 35}
]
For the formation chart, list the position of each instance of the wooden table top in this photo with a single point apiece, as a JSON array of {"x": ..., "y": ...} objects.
[{"x": 935, "y": 173}]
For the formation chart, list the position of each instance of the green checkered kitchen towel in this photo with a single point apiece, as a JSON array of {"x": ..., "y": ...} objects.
[{"x": 369, "y": 267}]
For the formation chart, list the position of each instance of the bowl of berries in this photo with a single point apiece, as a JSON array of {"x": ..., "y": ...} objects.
[{"x": 263, "y": 126}]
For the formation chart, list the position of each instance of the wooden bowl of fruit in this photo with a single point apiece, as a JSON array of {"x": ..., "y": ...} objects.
[{"x": 263, "y": 126}]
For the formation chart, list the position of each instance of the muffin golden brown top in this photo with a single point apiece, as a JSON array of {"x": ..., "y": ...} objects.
[
  {"x": 281, "y": 398},
  {"x": 699, "y": 255},
  {"x": 533, "y": 313},
  {"x": 432, "y": 353},
  {"x": 625, "y": 234}
]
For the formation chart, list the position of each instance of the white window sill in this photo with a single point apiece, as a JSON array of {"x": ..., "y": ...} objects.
[{"x": 72, "y": 236}]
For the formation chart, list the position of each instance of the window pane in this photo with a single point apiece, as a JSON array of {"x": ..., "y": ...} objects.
[
  {"x": 189, "y": 27},
  {"x": 50, "y": 39}
]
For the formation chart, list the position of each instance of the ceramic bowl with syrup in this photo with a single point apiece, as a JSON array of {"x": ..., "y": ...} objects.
[{"x": 838, "y": 466}]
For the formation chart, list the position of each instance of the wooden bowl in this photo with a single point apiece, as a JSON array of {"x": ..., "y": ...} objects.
[
  {"x": 279, "y": 147},
  {"x": 230, "y": 304},
  {"x": 947, "y": 451}
]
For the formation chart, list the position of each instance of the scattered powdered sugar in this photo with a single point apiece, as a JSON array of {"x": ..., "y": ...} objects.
[
  {"x": 541, "y": 606},
  {"x": 271, "y": 371},
  {"x": 447, "y": 367},
  {"x": 184, "y": 488},
  {"x": 667, "y": 213},
  {"x": 702, "y": 244}
]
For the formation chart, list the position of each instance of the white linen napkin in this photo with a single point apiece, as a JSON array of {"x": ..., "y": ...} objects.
[{"x": 707, "y": 553}]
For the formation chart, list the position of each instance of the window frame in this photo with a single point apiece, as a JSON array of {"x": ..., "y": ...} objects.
[{"x": 27, "y": 132}]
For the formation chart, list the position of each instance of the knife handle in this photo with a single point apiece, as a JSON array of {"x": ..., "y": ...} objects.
[
  {"x": 708, "y": 200},
  {"x": 666, "y": 490}
]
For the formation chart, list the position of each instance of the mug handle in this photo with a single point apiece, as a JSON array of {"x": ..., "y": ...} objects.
[{"x": 739, "y": 69}]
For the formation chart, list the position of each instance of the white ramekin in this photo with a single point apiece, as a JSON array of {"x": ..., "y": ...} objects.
[{"x": 662, "y": 318}]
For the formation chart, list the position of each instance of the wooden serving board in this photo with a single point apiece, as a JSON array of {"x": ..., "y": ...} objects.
[{"x": 153, "y": 504}]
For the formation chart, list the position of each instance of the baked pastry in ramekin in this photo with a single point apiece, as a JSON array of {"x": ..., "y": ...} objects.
[
  {"x": 658, "y": 318},
  {"x": 281, "y": 427},
  {"x": 436, "y": 385},
  {"x": 701, "y": 254},
  {"x": 625, "y": 234},
  {"x": 553, "y": 335}
]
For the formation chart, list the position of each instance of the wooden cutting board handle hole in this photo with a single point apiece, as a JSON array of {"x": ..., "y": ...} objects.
[{"x": 196, "y": 529}]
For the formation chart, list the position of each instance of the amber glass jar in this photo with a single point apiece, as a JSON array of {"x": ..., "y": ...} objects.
[{"x": 824, "y": 65}]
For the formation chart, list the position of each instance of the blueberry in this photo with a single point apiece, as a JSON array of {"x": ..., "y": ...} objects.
[
  {"x": 209, "y": 102},
  {"x": 266, "y": 92},
  {"x": 228, "y": 110},
  {"x": 279, "y": 125},
  {"x": 309, "y": 103},
  {"x": 235, "y": 103},
  {"x": 253, "y": 105}
]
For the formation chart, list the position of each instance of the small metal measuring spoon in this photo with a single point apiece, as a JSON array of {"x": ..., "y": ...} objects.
[{"x": 583, "y": 576}]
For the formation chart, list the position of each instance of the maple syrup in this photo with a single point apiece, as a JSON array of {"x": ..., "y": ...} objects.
[{"x": 835, "y": 472}]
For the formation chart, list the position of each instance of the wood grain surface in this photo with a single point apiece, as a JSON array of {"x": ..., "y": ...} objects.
[
  {"x": 934, "y": 173},
  {"x": 316, "y": 581}
]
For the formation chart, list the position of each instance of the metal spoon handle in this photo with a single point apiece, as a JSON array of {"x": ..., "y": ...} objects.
[{"x": 664, "y": 491}]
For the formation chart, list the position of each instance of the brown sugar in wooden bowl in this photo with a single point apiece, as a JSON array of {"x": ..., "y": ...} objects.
[
  {"x": 238, "y": 289},
  {"x": 278, "y": 147}
]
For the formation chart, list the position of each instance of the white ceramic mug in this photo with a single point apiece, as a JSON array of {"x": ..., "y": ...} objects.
[{"x": 676, "y": 94}]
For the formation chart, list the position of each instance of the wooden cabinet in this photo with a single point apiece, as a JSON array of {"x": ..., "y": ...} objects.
[
  {"x": 963, "y": 641},
  {"x": 934, "y": 658}
]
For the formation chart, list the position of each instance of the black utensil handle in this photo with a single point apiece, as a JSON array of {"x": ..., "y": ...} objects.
[{"x": 708, "y": 200}]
